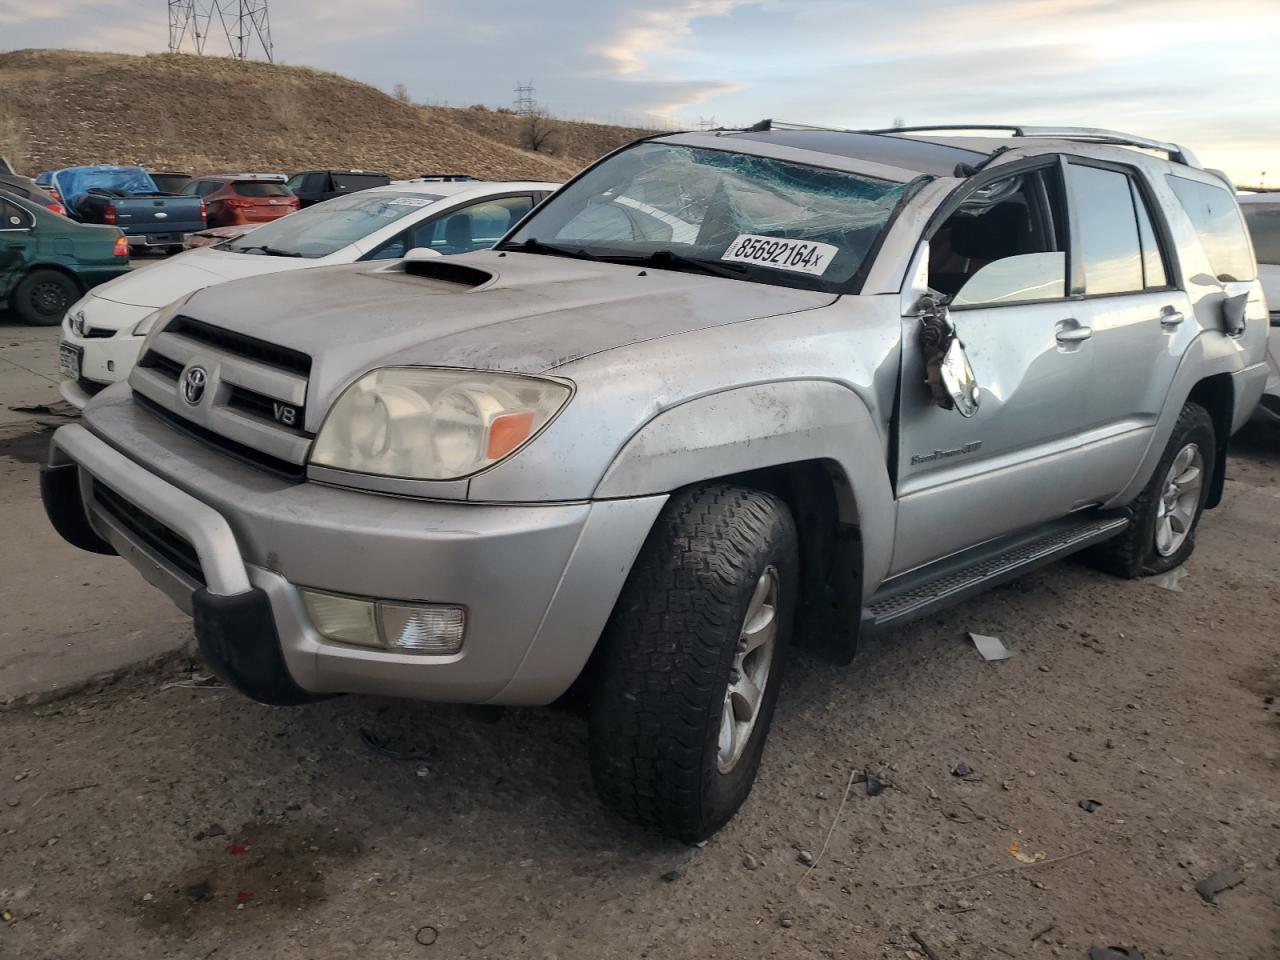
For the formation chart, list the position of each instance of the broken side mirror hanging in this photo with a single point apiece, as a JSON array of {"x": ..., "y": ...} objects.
[
  {"x": 947, "y": 371},
  {"x": 1234, "y": 310}
]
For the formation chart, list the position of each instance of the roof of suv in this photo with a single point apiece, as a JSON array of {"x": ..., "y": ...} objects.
[{"x": 934, "y": 157}]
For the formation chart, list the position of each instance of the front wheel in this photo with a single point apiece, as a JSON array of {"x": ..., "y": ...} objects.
[
  {"x": 691, "y": 661},
  {"x": 1167, "y": 512},
  {"x": 43, "y": 297}
]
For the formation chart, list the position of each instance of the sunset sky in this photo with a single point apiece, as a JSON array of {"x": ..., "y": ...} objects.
[{"x": 1206, "y": 74}]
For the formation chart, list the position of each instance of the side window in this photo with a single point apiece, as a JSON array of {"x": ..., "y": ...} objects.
[
  {"x": 316, "y": 183},
  {"x": 1102, "y": 203},
  {"x": 13, "y": 217},
  {"x": 295, "y": 182},
  {"x": 1155, "y": 274},
  {"x": 392, "y": 249},
  {"x": 474, "y": 227},
  {"x": 191, "y": 189},
  {"x": 1005, "y": 244},
  {"x": 1216, "y": 217}
]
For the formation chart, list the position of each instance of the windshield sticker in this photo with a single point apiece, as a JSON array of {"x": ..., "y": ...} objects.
[
  {"x": 798, "y": 256},
  {"x": 409, "y": 202}
]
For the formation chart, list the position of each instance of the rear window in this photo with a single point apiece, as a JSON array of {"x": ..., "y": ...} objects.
[
  {"x": 1216, "y": 216},
  {"x": 359, "y": 181},
  {"x": 1264, "y": 226},
  {"x": 261, "y": 188}
]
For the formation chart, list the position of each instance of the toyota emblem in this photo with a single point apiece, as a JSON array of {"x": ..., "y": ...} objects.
[{"x": 193, "y": 383}]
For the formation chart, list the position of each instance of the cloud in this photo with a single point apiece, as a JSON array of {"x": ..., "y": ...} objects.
[{"x": 659, "y": 30}]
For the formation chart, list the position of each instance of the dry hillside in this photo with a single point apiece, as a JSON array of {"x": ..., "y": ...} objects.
[{"x": 204, "y": 114}]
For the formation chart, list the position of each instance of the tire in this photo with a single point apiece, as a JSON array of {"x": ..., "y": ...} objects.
[
  {"x": 661, "y": 753},
  {"x": 43, "y": 297},
  {"x": 1145, "y": 548}
]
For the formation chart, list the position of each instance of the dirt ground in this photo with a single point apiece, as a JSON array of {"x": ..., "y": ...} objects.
[{"x": 159, "y": 818}]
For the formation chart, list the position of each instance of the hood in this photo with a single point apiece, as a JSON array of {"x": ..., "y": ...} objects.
[
  {"x": 159, "y": 284},
  {"x": 517, "y": 312}
]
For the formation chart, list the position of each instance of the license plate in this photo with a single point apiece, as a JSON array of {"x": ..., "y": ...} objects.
[{"x": 69, "y": 360}]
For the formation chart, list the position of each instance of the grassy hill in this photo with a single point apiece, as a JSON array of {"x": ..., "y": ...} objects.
[{"x": 207, "y": 114}]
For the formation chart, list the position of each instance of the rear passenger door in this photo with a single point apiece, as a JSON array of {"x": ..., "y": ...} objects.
[
  {"x": 16, "y": 240},
  {"x": 1141, "y": 321}
]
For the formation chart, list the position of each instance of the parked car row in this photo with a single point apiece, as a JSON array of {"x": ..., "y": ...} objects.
[{"x": 722, "y": 394}]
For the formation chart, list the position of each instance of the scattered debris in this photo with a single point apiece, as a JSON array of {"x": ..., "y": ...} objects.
[
  {"x": 961, "y": 769},
  {"x": 201, "y": 892},
  {"x": 59, "y": 409},
  {"x": 750, "y": 862},
  {"x": 6, "y": 916},
  {"x": 148, "y": 897},
  {"x": 836, "y": 819},
  {"x": 875, "y": 786},
  {"x": 671, "y": 876},
  {"x": 1042, "y": 932},
  {"x": 380, "y": 744},
  {"x": 805, "y": 857},
  {"x": 990, "y": 647},
  {"x": 786, "y": 920},
  {"x": 427, "y": 935},
  {"x": 946, "y": 881},
  {"x": 1169, "y": 580},
  {"x": 243, "y": 897},
  {"x": 239, "y": 848},
  {"x": 198, "y": 682},
  {"x": 928, "y": 951},
  {"x": 1215, "y": 883},
  {"x": 213, "y": 830},
  {"x": 1088, "y": 806},
  {"x": 1114, "y": 953},
  {"x": 1016, "y": 852}
]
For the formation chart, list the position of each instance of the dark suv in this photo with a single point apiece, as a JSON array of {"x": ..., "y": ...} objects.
[{"x": 315, "y": 186}]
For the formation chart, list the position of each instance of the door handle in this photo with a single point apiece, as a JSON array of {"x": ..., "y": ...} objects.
[
  {"x": 1171, "y": 317},
  {"x": 1074, "y": 334}
]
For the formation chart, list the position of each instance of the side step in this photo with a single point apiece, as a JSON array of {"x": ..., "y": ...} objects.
[{"x": 953, "y": 579}]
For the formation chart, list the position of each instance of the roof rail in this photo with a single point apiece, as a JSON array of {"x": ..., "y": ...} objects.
[{"x": 1175, "y": 152}]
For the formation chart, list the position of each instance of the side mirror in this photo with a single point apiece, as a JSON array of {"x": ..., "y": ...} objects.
[
  {"x": 422, "y": 253},
  {"x": 948, "y": 373},
  {"x": 1233, "y": 313}
]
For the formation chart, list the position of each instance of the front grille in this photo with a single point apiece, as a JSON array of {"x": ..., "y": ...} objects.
[
  {"x": 98, "y": 333},
  {"x": 153, "y": 535},
  {"x": 161, "y": 364},
  {"x": 293, "y": 472},
  {"x": 242, "y": 345},
  {"x": 263, "y": 407}
]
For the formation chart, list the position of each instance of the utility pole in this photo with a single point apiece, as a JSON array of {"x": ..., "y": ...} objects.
[
  {"x": 246, "y": 24},
  {"x": 524, "y": 102}
]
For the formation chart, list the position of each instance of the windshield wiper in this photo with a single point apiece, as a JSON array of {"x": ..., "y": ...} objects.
[
  {"x": 269, "y": 251},
  {"x": 670, "y": 260},
  {"x": 533, "y": 245}
]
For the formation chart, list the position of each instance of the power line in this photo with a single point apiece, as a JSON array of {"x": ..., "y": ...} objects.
[{"x": 245, "y": 24}]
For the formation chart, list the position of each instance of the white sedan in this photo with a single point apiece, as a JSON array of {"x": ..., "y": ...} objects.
[{"x": 103, "y": 331}]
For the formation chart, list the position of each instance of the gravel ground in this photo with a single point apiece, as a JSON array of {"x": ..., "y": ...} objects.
[{"x": 153, "y": 818}]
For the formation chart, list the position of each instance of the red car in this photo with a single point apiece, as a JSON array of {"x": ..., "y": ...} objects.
[{"x": 232, "y": 200}]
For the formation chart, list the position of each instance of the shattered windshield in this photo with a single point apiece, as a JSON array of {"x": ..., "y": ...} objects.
[
  {"x": 327, "y": 227},
  {"x": 731, "y": 214}
]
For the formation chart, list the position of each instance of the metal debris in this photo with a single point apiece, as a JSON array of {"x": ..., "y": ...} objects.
[
  {"x": 990, "y": 647},
  {"x": 1170, "y": 579},
  {"x": 1088, "y": 806},
  {"x": 1215, "y": 883}
]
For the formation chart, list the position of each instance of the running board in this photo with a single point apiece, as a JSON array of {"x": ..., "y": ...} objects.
[{"x": 953, "y": 579}]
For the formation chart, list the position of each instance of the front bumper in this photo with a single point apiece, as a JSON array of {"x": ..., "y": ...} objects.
[
  {"x": 108, "y": 357},
  {"x": 231, "y": 544}
]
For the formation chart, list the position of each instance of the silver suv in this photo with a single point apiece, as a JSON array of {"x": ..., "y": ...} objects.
[{"x": 724, "y": 393}]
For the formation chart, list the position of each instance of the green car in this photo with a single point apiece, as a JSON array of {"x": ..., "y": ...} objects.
[{"x": 47, "y": 262}]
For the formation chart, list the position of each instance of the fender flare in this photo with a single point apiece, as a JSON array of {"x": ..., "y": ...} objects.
[{"x": 771, "y": 424}]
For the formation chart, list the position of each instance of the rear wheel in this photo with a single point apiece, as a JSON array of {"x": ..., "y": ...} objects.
[
  {"x": 43, "y": 297},
  {"x": 691, "y": 662},
  {"x": 1166, "y": 513}
]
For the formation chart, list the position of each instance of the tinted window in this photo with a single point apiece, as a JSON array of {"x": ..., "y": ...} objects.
[
  {"x": 1264, "y": 226},
  {"x": 1108, "y": 230},
  {"x": 1154, "y": 273},
  {"x": 350, "y": 182},
  {"x": 1216, "y": 217},
  {"x": 1005, "y": 244},
  {"x": 295, "y": 182},
  {"x": 261, "y": 188}
]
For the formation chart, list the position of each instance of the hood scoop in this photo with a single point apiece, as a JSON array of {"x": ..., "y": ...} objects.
[{"x": 438, "y": 268}]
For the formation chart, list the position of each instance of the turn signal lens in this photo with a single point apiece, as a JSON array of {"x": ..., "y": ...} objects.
[
  {"x": 509, "y": 431},
  {"x": 427, "y": 628},
  {"x": 345, "y": 619}
]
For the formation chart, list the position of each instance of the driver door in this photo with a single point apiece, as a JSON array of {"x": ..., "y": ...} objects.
[{"x": 1002, "y": 260}]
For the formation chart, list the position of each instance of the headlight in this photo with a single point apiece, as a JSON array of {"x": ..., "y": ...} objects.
[
  {"x": 145, "y": 324},
  {"x": 429, "y": 424}
]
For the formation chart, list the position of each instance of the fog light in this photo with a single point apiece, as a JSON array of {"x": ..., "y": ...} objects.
[
  {"x": 422, "y": 628},
  {"x": 345, "y": 619}
]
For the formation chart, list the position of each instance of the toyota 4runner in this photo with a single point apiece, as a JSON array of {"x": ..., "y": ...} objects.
[{"x": 725, "y": 393}]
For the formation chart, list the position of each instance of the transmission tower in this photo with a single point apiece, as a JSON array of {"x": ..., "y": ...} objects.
[
  {"x": 246, "y": 25},
  {"x": 524, "y": 101}
]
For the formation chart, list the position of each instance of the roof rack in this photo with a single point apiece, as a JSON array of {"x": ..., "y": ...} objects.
[
  {"x": 443, "y": 178},
  {"x": 1175, "y": 152}
]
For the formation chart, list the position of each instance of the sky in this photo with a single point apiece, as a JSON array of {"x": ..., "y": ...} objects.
[{"x": 1202, "y": 73}]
